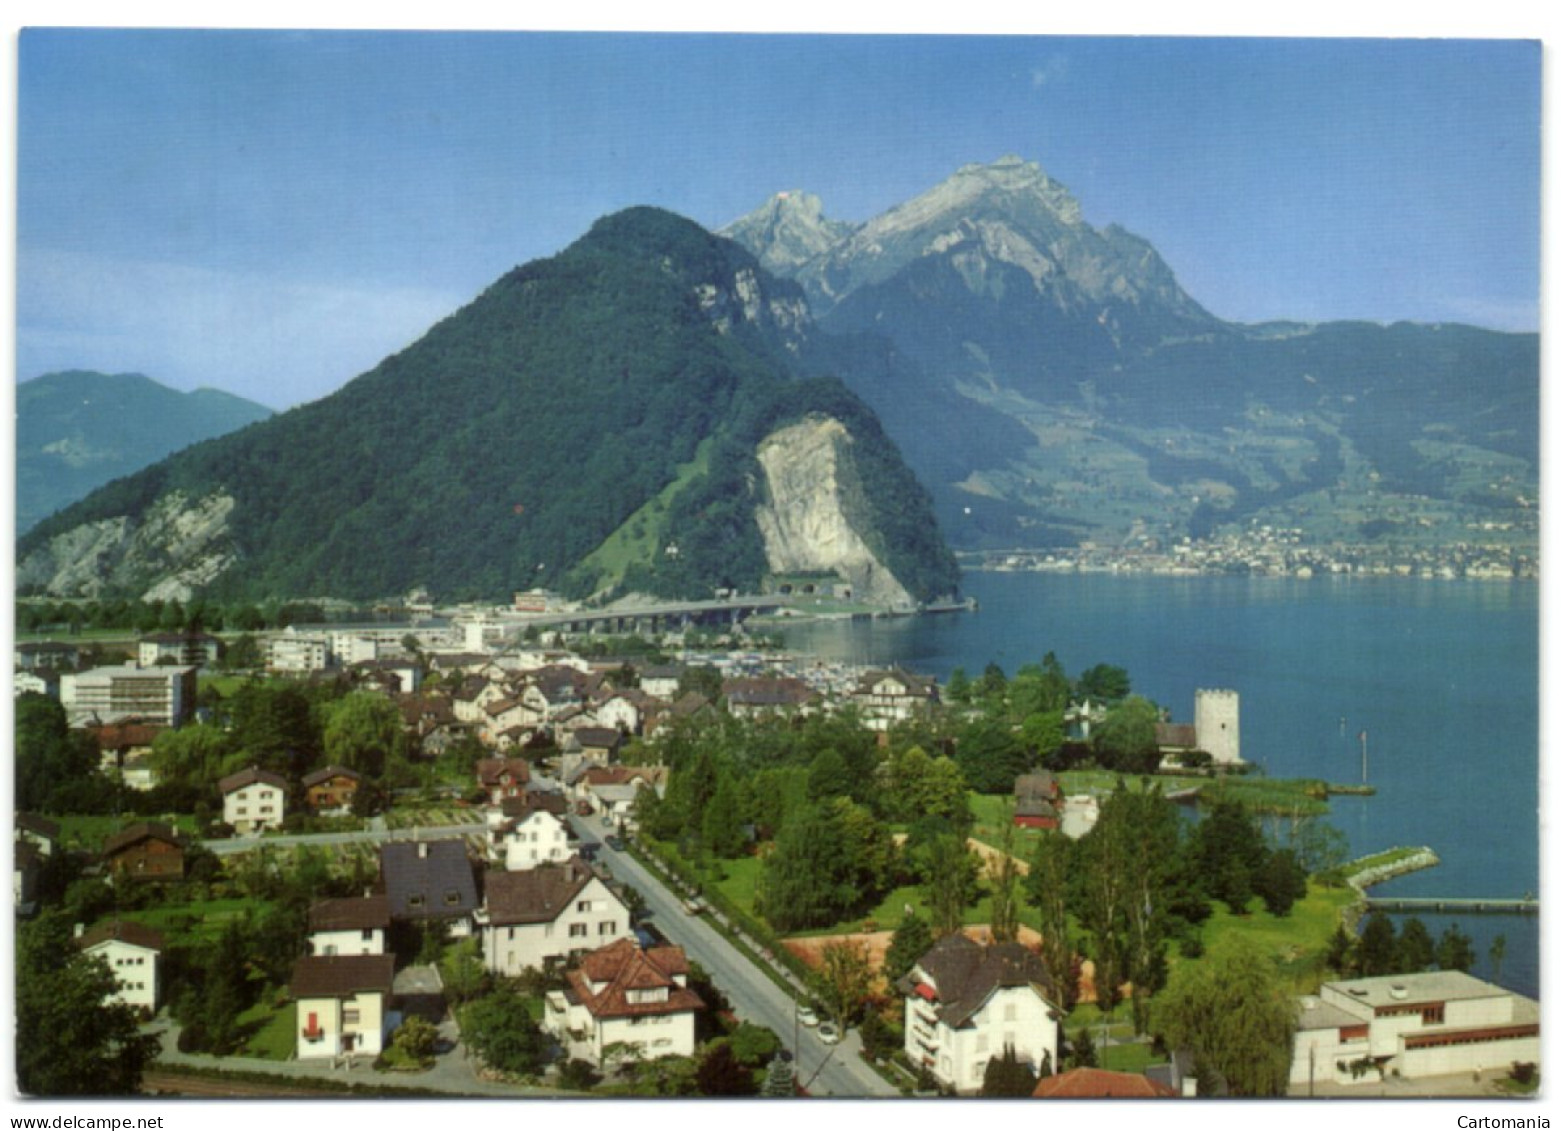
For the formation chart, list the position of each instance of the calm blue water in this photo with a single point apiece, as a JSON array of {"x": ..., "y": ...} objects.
[{"x": 1443, "y": 677}]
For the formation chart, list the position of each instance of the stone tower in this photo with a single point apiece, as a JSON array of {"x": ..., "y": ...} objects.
[{"x": 1217, "y": 719}]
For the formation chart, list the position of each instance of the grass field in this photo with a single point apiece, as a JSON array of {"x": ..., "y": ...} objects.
[
  {"x": 1287, "y": 796},
  {"x": 639, "y": 536},
  {"x": 199, "y": 921},
  {"x": 1298, "y": 943},
  {"x": 89, "y": 831},
  {"x": 274, "y": 1027}
]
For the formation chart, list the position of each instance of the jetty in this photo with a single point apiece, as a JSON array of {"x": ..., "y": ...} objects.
[{"x": 1524, "y": 906}]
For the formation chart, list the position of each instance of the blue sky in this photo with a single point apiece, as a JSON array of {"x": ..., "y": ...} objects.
[{"x": 273, "y": 212}]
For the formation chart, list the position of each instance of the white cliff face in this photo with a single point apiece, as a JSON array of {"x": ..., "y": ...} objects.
[
  {"x": 180, "y": 545},
  {"x": 809, "y": 474}
]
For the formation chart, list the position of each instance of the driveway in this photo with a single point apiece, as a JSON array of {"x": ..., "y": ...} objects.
[{"x": 823, "y": 1069}]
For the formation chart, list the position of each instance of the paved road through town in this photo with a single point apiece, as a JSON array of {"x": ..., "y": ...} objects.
[{"x": 823, "y": 1069}]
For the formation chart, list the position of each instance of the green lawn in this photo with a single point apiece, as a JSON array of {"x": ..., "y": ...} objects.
[
  {"x": 640, "y": 535},
  {"x": 1298, "y": 942},
  {"x": 1303, "y": 796},
  {"x": 195, "y": 922},
  {"x": 89, "y": 830},
  {"x": 274, "y": 1026}
]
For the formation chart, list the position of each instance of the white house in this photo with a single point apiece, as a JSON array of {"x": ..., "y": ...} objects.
[
  {"x": 1412, "y": 1025},
  {"x": 546, "y": 914},
  {"x": 253, "y": 800},
  {"x": 133, "y": 952},
  {"x": 349, "y": 926},
  {"x": 343, "y": 1003},
  {"x": 200, "y": 649},
  {"x": 889, "y": 697},
  {"x": 291, "y": 651},
  {"x": 164, "y": 696},
  {"x": 533, "y": 838},
  {"x": 965, "y": 1003},
  {"x": 623, "y": 995}
]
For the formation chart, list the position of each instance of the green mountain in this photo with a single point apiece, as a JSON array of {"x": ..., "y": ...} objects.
[
  {"x": 76, "y": 431},
  {"x": 1134, "y": 416},
  {"x": 619, "y": 417}
]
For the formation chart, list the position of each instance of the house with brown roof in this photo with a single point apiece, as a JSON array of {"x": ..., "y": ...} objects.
[
  {"x": 893, "y": 696},
  {"x": 253, "y": 800},
  {"x": 133, "y": 953},
  {"x": 343, "y": 1003},
  {"x": 1037, "y": 800},
  {"x": 146, "y": 850},
  {"x": 503, "y": 777},
  {"x": 41, "y": 832},
  {"x": 546, "y": 915},
  {"x": 624, "y": 995},
  {"x": 599, "y": 744},
  {"x": 332, "y": 789},
  {"x": 752, "y": 697},
  {"x": 355, "y": 925},
  {"x": 532, "y": 836},
  {"x": 1100, "y": 1084},
  {"x": 966, "y": 1002}
]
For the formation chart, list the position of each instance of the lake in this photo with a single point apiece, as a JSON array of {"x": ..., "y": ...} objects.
[{"x": 1443, "y": 676}]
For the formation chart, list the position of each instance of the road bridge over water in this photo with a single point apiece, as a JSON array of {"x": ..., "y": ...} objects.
[{"x": 653, "y": 618}]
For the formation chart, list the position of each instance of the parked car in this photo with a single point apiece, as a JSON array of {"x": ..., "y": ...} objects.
[
  {"x": 615, "y": 843},
  {"x": 693, "y": 905},
  {"x": 828, "y": 1033},
  {"x": 807, "y": 1016}
]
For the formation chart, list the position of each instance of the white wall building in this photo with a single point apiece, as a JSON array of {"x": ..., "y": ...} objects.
[
  {"x": 528, "y": 841},
  {"x": 623, "y": 995},
  {"x": 343, "y": 1004},
  {"x": 253, "y": 800},
  {"x": 1414, "y": 1025},
  {"x": 965, "y": 1003},
  {"x": 164, "y": 695},
  {"x": 547, "y": 914},
  {"x": 134, "y": 954},
  {"x": 349, "y": 926}
]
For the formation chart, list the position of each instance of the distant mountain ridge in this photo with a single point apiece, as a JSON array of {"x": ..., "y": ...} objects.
[
  {"x": 77, "y": 430},
  {"x": 1135, "y": 415},
  {"x": 603, "y": 421}
]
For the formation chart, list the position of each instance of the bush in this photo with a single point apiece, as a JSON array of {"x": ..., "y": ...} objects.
[{"x": 578, "y": 1075}]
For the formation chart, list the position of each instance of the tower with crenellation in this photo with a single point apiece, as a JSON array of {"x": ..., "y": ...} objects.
[{"x": 1217, "y": 722}]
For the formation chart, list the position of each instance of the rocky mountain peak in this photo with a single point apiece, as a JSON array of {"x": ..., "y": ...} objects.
[{"x": 788, "y": 230}]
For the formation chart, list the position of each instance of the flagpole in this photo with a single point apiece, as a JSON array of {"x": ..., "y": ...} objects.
[{"x": 1362, "y": 757}]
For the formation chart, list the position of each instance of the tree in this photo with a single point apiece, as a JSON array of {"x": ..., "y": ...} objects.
[
  {"x": 1233, "y": 1012},
  {"x": 1003, "y": 875},
  {"x": 1341, "y": 951},
  {"x": 844, "y": 980},
  {"x": 752, "y": 1044},
  {"x": 721, "y": 829},
  {"x": 950, "y": 883},
  {"x": 780, "y": 1080},
  {"x": 912, "y": 939},
  {"x": 1007, "y": 1075},
  {"x": 50, "y": 758},
  {"x": 1378, "y": 946},
  {"x": 1497, "y": 952},
  {"x": 1105, "y": 683},
  {"x": 1455, "y": 950},
  {"x": 1416, "y": 951},
  {"x": 703, "y": 680},
  {"x": 721, "y": 1074},
  {"x": 1231, "y": 854},
  {"x": 1281, "y": 882},
  {"x": 1125, "y": 739},
  {"x": 416, "y": 1038},
  {"x": 462, "y": 971},
  {"x": 500, "y": 1031},
  {"x": 193, "y": 755},
  {"x": 1047, "y": 887},
  {"x": 1321, "y": 847},
  {"x": 1081, "y": 1049},
  {"x": 363, "y": 732},
  {"x": 68, "y": 1041}
]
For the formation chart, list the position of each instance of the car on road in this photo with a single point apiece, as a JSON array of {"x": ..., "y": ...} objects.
[
  {"x": 828, "y": 1033},
  {"x": 615, "y": 843},
  {"x": 693, "y": 905},
  {"x": 807, "y": 1016}
]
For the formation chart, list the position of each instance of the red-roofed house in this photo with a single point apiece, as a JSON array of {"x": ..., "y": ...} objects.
[
  {"x": 1098, "y": 1083},
  {"x": 623, "y": 995}
]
